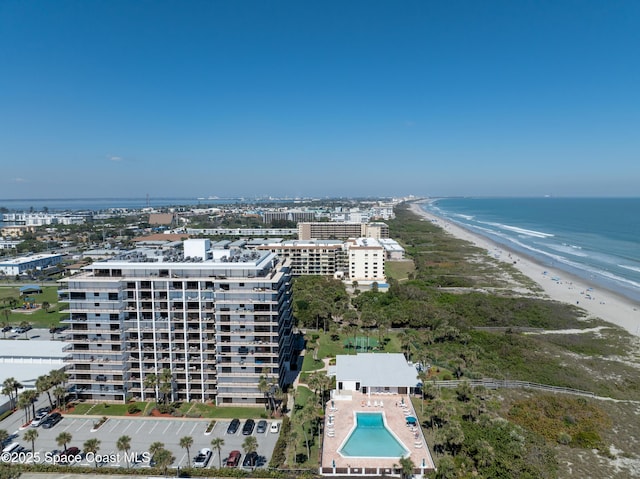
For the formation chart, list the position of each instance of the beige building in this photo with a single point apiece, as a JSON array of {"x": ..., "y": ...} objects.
[
  {"x": 366, "y": 260},
  {"x": 329, "y": 231},
  {"x": 323, "y": 257}
]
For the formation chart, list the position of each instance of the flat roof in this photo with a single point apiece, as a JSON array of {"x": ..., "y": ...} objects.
[
  {"x": 376, "y": 370},
  {"x": 17, "y": 348}
]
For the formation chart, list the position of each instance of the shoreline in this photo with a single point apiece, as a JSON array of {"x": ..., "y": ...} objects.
[{"x": 558, "y": 285}]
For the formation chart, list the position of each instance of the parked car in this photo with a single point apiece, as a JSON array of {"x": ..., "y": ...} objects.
[
  {"x": 69, "y": 453},
  {"x": 234, "y": 459},
  {"x": 261, "y": 427},
  {"x": 41, "y": 416},
  {"x": 233, "y": 427},
  {"x": 275, "y": 427},
  {"x": 250, "y": 460},
  {"x": 248, "y": 427},
  {"x": 52, "y": 420},
  {"x": 6, "y": 329},
  {"x": 203, "y": 457}
]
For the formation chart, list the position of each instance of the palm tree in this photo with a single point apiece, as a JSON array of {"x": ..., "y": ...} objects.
[
  {"x": 186, "y": 442},
  {"x": 163, "y": 459},
  {"x": 31, "y": 435},
  {"x": 4, "y": 435},
  {"x": 91, "y": 446},
  {"x": 43, "y": 385},
  {"x": 217, "y": 444},
  {"x": 45, "y": 306},
  {"x": 30, "y": 396},
  {"x": 25, "y": 325},
  {"x": 166, "y": 386},
  {"x": 63, "y": 439},
  {"x": 10, "y": 388},
  {"x": 151, "y": 381},
  {"x": 58, "y": 377},
  {"x": 155, "y": 447},
  {"x": 249, "y": 445},
  {"x": 24, "y": 403},
  {"x": 407, "y": 466},
  {"x": 124, "y": 444},
  {"x": 60, "y": 394}
]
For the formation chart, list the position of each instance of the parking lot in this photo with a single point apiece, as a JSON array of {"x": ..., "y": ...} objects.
[{"x": 143, "y": 432}]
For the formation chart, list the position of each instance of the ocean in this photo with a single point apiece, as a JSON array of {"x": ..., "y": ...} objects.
[{"x": 596, "y": 239}]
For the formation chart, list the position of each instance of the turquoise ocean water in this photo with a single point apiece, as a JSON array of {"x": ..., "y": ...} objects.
[{"x": 597, "y": 239}]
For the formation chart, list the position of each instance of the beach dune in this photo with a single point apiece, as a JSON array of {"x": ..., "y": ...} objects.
[{"x": 558, "y": 285}]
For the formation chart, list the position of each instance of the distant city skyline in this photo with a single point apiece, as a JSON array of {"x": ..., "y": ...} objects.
[{"x": 319, "y": 99}]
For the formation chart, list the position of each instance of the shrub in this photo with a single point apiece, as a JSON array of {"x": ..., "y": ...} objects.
[{"x": 133, "y": 408}]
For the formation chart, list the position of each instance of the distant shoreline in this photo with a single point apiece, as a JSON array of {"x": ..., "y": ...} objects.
[{"x": 558, "y": 285}]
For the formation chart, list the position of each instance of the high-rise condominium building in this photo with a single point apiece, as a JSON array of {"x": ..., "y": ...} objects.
[{"x": 182, "y": 322}]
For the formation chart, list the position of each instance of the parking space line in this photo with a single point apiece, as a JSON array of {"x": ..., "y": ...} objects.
[
  {"x": 166, "y": 429},
  {"x": 115, "y": 425},
  {"x": 82, "y": 425},
  {"x": 141, "y": 426},
  {"x": 154, "y": 426},
  {"x": 193, "y": 428},
  {"x": 128, "y": 426},
  {"x": 181, "y": 426}
]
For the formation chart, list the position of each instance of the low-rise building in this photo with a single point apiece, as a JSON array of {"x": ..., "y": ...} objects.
[{"x": 16, "y": 266}]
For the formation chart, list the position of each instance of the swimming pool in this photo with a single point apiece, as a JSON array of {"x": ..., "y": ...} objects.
[{"x": 371, "y": 438}]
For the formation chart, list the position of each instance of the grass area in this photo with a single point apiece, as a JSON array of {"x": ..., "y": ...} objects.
[
  {"x": 104, "y": 409},
  {"x": 38, "y": 318},
  {"x": 398, "y": 270},
  {"x": 226, "y": 412},
  {"x": 192, "y": 409},
  {"x": 299, "y": 449}
]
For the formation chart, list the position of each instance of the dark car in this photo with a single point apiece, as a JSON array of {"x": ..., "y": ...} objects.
[
  {"x": 261, "y": 427},
  {"x": 250, "y": 460},
  {"x": 52, "y": 420},
  {"x": 234, "y": 459},
  {"x": 248, "y": 427},
  {"x": 71, "y": 451},
  {"x": 233, "y": 427},
  {"x": 7, "y": 329}
]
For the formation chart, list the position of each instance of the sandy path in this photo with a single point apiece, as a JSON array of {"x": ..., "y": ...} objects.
[{"x": 558, "y": 285}]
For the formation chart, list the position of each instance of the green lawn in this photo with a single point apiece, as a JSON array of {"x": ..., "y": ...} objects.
[
  {"x": 38, "y": 318},
  {"x": 303, "y": 396},
  {"x": 193, "y": 410}
]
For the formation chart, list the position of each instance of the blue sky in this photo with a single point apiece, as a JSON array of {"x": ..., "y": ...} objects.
[{"x": 331, "y": 98}]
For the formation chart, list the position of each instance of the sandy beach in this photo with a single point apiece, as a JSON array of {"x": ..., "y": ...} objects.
[{"x": 558, "y": 285}]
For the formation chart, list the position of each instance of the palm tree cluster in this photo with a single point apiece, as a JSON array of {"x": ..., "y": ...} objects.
[
  {"x": 26, "y": 400},
  {"x": 162, "y": 384}
]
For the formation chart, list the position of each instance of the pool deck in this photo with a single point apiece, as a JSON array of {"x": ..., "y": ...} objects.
[{"x": 343, "y": 418}]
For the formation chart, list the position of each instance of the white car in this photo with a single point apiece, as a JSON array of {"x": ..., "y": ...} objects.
[
  {"x": 39, "y": 419},
  {"x": 203, "y": 457},
  {"x": 275, "y": 427}
]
